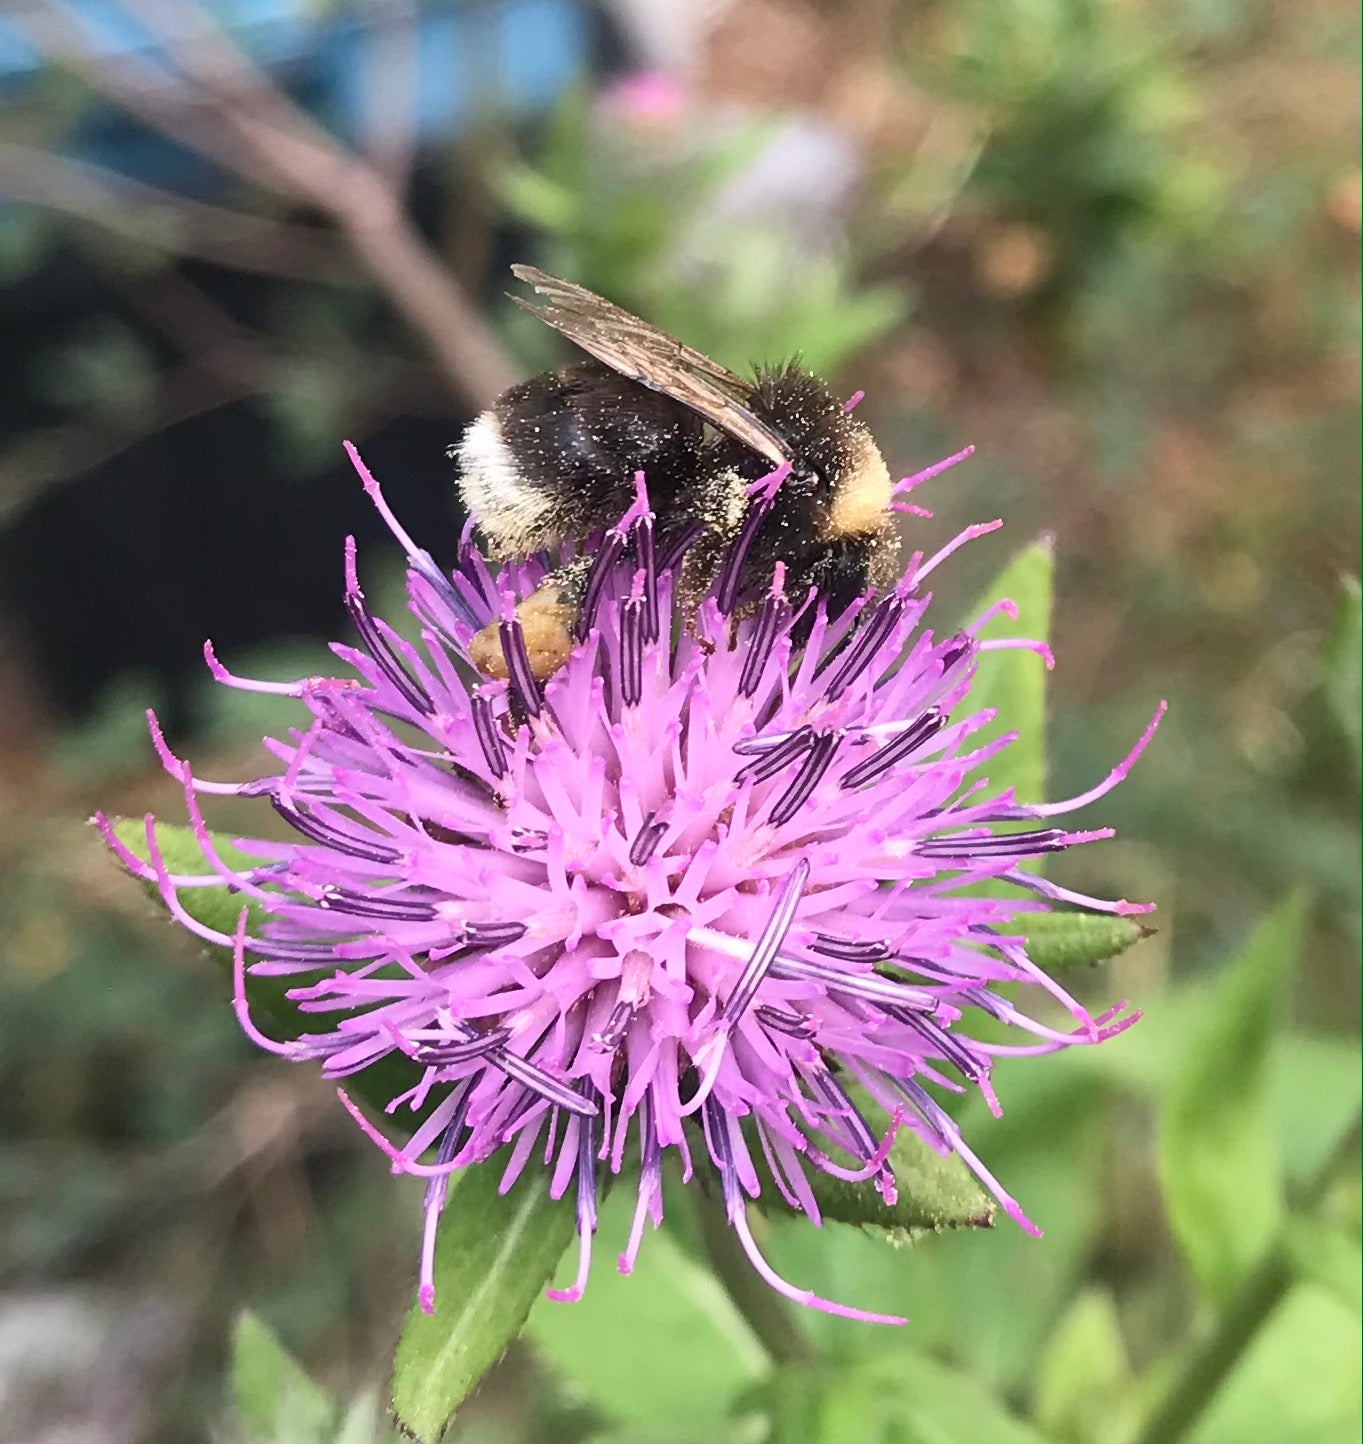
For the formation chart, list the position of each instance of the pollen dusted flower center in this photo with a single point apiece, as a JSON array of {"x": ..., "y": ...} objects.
[{"x": 702, "y": 890}]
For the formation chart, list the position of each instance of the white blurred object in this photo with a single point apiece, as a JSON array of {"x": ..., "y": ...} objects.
[
  {"x": 78, "y": 1367},
  {"x": 666, "y": 34},
  {"x": 800, "y": 183}
]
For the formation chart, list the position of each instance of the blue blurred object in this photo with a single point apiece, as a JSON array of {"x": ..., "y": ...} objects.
[
  {"x": 209, "y": 524},
  {"x": 474, "y": 57}
]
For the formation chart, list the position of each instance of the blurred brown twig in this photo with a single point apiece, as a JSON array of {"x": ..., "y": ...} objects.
[
  {"x": 179, "y": 224},
  {"x": 203, "y": 93}
]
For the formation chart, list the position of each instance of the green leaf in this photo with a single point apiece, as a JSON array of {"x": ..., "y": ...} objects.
[
  {"x": 219, "y": 908},
  {"x": 611, "y": 1345},
  {"x": 906, "y": 1398},
  {"x": 1314, "y": 1082},
  {"x": 493, "y": 1255},
  {"x": 986, "y": 1299},
  {"x": 363, "y": 1423},
  {"x": 532, "y": 196},
  {"x": 1060, "y": 940},
  {"x": 1314, "y": 1085},
  {"x": 1218, "y": 1153},
  {"x": 215, "y": 907},
  {"x": 934, "y": 1193},
  {"x": 1297, "y": 1383},
  {"x": 1082, "y": 1372},
  {"x": 1328, "y": 1255},
  {"x": 275, "y": 1398},
  {"x": 790, "y": 1400},
  {"x": 1342, "y": 664},
  {"x": 1014, "y": 682}
]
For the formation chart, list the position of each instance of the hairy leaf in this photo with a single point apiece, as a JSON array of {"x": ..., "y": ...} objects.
[
  {"x": 1060, "y": 940},
  {"x": 494, "y": 1254},
  {"x": 935, "y": 1193}
]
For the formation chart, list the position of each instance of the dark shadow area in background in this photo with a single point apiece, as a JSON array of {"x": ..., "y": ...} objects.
[{"x": 208, "y": 528}]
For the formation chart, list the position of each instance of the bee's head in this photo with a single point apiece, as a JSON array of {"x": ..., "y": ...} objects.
[{"x": 836, "y": 460}]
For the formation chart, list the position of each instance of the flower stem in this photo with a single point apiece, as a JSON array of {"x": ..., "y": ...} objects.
[
  {"x": 1255, "y": 1300},
  {"x": 766, "y": 1313}
]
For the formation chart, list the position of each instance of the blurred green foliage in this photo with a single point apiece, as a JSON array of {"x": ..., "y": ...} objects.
[
  {"x": 637, "y": 224},
  {"x": 1129, "y": 275}
]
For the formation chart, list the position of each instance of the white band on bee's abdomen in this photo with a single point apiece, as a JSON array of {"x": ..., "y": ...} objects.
[{"x": 510, "y": 512}]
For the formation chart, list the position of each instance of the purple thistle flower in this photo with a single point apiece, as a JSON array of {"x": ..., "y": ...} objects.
[{"x": 701, "y": 876}]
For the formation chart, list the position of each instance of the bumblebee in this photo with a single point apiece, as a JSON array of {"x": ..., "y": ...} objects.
[{"x": 555, "y": 458}]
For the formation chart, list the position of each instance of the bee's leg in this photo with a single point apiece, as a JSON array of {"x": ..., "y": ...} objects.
[{"x": 547, "y": 617}]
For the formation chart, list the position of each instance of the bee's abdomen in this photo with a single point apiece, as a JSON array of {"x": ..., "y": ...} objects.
[{"x": 556, "y": 456}]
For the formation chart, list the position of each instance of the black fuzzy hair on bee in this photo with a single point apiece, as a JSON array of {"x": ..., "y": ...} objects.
[{"x": 555, "y": 458}]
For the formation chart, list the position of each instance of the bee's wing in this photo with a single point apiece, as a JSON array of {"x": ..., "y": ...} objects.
[{"x": 651, "y": 357}]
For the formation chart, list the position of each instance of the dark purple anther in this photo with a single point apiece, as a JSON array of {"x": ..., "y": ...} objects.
[
  {"x": 849, "y": 1115},
  {"x": 927, "y": 1108},
  {"x": 966, "y": 1063},
  {"x": 780, "y": 756},
  {"x": 982, "y": 998},
  {"x": 761, "y": 744},
  {"x": 672, "y": 558},
  {"x": 774, "y": 618},
  {"x": 610, "y": 1037},
  {"x": 850, "y": 950},
  {"x": 731, "y": 573},
  {"x": 959, "y": 649},
  {"x": 377, "y": 646},
  {"x": 376, "y": 905},
  {"x": 602, "y": 567},
  {"x": 494, "y": 935},
  {"x": 485, "y": 729},
  {"x": 907, "y": 743},
  {"x": 791, "y": 1024},
  {"x": 442, "y": 1055},
  {"x": 807, "y": 779},
  {"x": 646, "y": 840},
  {"x": 523, "y": 684},
  {"x": 313, "y": 954},
  {"x": 586, "y": 1156},
  {"x": 870, "y": 986},
  {"x": 722, "y": 1151},
  {"x": 870, "y": 638},
  {"x": 768, "y": 944},
  {"x": 632, "y": 611},
  {"x": 969, "y": 847},
  {"x": 309, "y": 826},
  {"x": 644, "y": 550},
  {"x": 538, "y": 1081}
]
